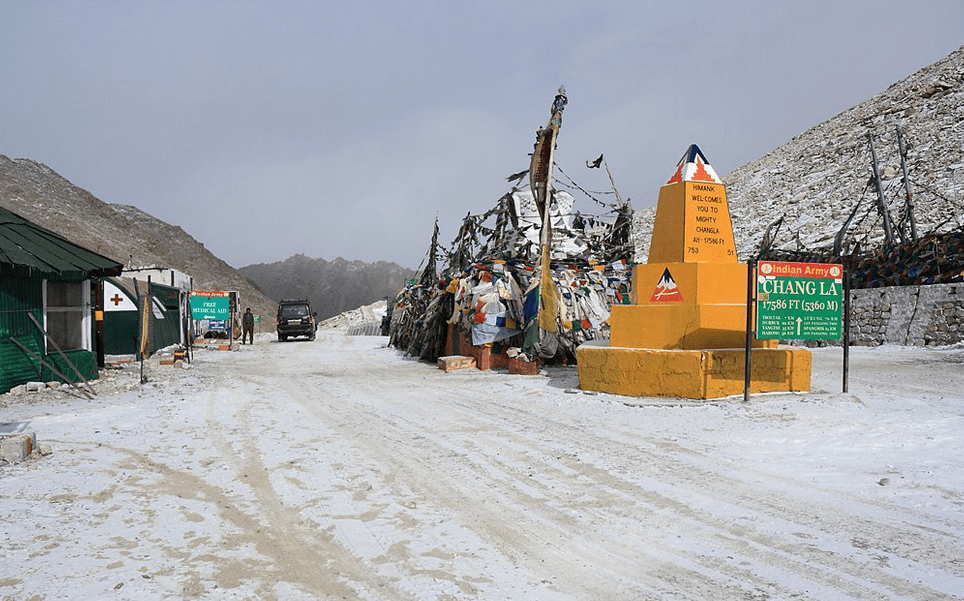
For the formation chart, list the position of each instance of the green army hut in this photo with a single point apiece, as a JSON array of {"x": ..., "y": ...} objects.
[
  {"x": 166, "y": 291},
  {"x": 47, "y": 316}
]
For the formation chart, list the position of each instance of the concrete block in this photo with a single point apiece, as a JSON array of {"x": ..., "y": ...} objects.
[
  {"x": 14, "y": 449},
  {"x": 454, "y": 362}
]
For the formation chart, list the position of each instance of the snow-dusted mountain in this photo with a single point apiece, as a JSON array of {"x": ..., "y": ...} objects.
[{"x": 818, "y": 178}]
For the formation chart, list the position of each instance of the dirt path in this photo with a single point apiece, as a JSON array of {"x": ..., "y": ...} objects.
[{"x": 337, "y": 469}]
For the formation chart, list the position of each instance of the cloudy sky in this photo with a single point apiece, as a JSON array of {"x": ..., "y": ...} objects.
[{"x": 344, "y": 128}]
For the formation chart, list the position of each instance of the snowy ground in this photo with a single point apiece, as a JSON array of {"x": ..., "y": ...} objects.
[{"x": 338, "y": 469}]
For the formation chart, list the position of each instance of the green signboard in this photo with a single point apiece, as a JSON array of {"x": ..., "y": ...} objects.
[
  {"x": 211, "y": 305},
  {"x": 798, "y": 301}
]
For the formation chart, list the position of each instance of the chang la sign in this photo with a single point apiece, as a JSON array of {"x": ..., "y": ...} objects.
[{"x": 798, "y": 300}]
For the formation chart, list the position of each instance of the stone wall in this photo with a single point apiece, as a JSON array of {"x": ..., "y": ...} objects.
[{"x": 908, "y": 315}]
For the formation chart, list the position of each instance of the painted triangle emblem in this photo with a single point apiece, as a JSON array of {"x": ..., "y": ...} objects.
[{"x": 666, "y": 290}]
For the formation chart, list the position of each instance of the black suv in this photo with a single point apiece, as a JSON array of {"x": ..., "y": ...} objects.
[{"x": 295, "y": 318}]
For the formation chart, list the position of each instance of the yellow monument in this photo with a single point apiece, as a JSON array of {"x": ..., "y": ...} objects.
[{"x": 685, "y": 333}]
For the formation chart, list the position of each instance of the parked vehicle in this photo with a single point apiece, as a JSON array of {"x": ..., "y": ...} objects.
[{"x": 295, "y": 318}]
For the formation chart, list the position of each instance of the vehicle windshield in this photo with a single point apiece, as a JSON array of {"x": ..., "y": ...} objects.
[{"x": 294, "y": 311}]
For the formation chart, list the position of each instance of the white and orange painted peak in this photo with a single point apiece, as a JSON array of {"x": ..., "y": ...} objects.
[
  {"x": 694, "y": 167},
  {"x": 666, "y": 290}
]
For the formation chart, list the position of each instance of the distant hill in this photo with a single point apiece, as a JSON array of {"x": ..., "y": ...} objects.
[
  {"x": 121, "y": 232},
  {"x": 333, "y": 287}
]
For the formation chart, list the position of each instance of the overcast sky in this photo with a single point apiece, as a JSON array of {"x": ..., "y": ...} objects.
[{"x": 343, "y": 128}]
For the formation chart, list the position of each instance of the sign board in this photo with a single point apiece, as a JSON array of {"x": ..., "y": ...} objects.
[
  {"x": 708, "y": 231},
  {"x": 207, "y": 304},
  {"x": 798, "y": 300}
]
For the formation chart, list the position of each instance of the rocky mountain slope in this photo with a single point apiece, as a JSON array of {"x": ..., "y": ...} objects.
[
  {"x": 818, "y": 178},
  {"x": 121, "y": 232},
  {"x": 131, "y": 236}
]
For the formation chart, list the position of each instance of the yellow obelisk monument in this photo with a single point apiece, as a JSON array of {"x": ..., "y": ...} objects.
[{"x": 685, "y": 333}]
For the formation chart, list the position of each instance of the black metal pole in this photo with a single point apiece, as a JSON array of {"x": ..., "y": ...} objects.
[
  {"x": 846, "y": 329},
  {"x": 750, "y": 278},
  {"x": 98, "y": 286}
]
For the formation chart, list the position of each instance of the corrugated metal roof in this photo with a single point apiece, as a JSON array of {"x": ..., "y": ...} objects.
[{"x": 25, "y": 246}]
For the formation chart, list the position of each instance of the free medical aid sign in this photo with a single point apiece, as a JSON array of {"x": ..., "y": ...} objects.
[{"x": 210, "y": 304}]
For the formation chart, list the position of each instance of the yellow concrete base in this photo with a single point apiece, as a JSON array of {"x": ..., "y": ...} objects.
[
  {"x": 706, "y": 310},
  {"x": 668, "y": 326},
  {"x": 691, "y": 374}
]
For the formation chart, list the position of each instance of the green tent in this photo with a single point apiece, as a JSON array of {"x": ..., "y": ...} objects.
[
  {"x": 122, "y": 325},
  {"x": 52, "y": 280}
]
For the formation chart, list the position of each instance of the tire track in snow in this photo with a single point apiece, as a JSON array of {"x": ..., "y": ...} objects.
[{"x": 558, "y": 492}]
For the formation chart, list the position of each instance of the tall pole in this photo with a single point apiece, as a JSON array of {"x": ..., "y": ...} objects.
[
  {"x": 882, "y": 205},
  {"x": 540, "y": 168},
  {"x": 540, "y": 182},
  {"x": 908, "y": 194},
  {"x": 545, "y": 237},
  {"x": 619, "y": 197}
]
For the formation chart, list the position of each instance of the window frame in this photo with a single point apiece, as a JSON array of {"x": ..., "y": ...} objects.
[{"x": 83, "y": 312}]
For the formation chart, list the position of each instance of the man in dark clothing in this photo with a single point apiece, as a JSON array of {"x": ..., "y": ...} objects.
[{"x": 247, "y": 324}]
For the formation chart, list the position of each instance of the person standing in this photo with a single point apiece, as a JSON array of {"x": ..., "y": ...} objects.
[{"x": 247, "y": 325}]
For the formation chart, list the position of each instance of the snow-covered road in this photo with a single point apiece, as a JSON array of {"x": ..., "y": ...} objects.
[{"x": 338, "y": 469}]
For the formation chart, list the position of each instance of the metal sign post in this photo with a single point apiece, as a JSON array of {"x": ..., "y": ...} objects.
[
  {"x": 846, "y": 329},
  {"x": 748, "y": 362}
]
